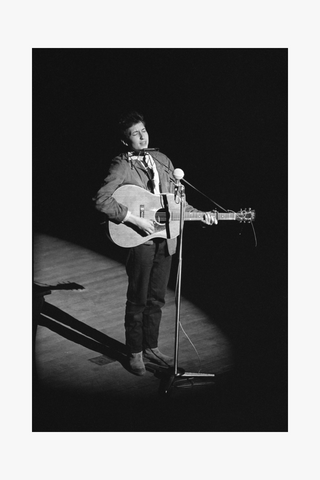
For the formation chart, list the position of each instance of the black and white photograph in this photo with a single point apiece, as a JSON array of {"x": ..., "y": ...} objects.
[{"x": 160, "y": 239}]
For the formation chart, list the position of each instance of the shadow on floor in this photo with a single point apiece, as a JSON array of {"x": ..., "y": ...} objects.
[
  {"x": 240, "y": 401},
  {"x": 81, "y": 333}
]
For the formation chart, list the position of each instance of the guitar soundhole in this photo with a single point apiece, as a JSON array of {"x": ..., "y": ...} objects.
[{"x": 162, "y": 216}]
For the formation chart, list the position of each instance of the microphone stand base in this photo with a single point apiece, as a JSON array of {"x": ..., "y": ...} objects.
[{"x": 181, "y": 379}]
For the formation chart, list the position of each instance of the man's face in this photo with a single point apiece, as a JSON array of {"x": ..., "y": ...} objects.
[{"x": 137, "y": 137}]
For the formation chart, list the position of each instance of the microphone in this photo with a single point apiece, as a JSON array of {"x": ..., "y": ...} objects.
[
  {"x": 178, "y": 174},
  {"x": 178, "y": 188}
]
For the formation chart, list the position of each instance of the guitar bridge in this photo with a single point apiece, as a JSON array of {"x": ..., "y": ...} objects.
[{"x": 142, "y": 211}]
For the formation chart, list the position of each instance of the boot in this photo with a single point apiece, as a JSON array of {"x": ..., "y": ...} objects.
[
  {"x": 136, "y": 364},
  {"x": 155, "y": 356}
]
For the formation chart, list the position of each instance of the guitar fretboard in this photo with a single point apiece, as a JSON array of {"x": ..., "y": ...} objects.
[{"x": 200, "y": 215}]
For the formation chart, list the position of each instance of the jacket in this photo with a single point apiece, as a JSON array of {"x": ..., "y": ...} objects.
[{"x": 125, "y": 171}]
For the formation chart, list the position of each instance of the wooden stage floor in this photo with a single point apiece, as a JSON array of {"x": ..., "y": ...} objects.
[{"x": 81, "y": 382}]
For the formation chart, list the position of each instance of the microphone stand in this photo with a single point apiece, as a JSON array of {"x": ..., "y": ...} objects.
[{"x": 177, "y": 377}]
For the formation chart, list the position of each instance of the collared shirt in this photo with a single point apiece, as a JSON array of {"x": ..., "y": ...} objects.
[
  {"x": 147, "y": 159},
  {"x": 147, "y": 162}
]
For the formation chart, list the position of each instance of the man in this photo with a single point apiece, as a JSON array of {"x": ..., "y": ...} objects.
[{"x": 148, "y": 265}]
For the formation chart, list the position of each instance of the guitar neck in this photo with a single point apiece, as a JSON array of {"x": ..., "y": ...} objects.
[{"x": 199, "y": 216}]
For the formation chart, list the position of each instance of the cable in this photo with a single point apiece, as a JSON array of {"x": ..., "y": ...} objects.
[
  {"x": 204, "y": 195},
  {"x": 180, "y": 324},
  {"x": 215, "y": 203}
]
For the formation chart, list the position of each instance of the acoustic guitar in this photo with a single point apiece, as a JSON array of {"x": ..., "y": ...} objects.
[{"x": 163, "y": 210}]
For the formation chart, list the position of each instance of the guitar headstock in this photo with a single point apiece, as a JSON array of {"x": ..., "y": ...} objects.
[
  {"x": 67, "y": 286},
  {"x": 246, "y": 215},
  {"x": 46, "y": 289}
]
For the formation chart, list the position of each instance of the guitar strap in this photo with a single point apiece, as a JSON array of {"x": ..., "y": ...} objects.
[
  {"x": 150, "y": 174},
  {"x": 154, "y": 184}
]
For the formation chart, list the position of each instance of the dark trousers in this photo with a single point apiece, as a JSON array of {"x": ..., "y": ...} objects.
[{"x": 148, "y": 268}]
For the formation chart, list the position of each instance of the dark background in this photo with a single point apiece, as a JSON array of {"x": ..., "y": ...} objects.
[{"x": 221, "y": 116}]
